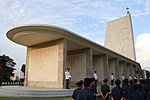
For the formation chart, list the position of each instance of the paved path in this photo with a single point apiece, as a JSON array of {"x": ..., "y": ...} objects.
[{"x": 16, "y": 91}]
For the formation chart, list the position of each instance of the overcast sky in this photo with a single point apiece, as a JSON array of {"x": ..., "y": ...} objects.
[{"x": 87, "y": 18}]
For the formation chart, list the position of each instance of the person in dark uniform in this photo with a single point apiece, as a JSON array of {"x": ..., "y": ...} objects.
[
  {"x": 77, "y": 91},
  {"x": 126, "y": 88},
  {"x": 86, "y": 93},
  {"x": 136, "y": 95},
  {"x": 93, "y": 88},
  {"x": 117, "y": 92},
  {"x": 105, "y": 90}
]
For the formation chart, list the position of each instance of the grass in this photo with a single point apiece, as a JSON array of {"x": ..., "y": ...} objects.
[{"x": 15, "y": 98}]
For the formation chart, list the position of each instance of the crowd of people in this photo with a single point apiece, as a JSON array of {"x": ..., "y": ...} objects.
[{"x": 125, "y": 89}]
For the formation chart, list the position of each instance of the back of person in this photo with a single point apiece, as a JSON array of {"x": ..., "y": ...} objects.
[
  {"x": 105, "y": 91},
  {"x": 85, "y": 94},
  {"x": 76, "y": 92},
  {"x": 117, "y": 93},
  {"x": 136, "y": 96},
  {"x": 105, "y": 88}
]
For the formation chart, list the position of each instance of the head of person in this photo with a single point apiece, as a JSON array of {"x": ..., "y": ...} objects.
[
  {"x": 87, "y": 82},
  {"x": 95, "y": 71},
  {"x": 68, "y": 68},
  {"x": 126, "y": 81},
  {"x": 136, "y": 87},
  {"x": 93, "y": 80},
  {"x": 135, "y": 81},
  {"x": 112, "y": 73},
  {"x": 122, "y": 74},
  {"x": 131, "y": 82},
  {"x": 117, "y": 82},
  {"x": 80, "y": 83},
  {"x": 105, "y": 80}
]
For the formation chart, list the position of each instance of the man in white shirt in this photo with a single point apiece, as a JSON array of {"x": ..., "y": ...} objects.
[
  {"x": 112, "y": 78},
  {"x": 123, "y": 77},
  {"x": 67, "y": 77},
  {"x": 130, "y": 77},
  {"x": 21, "y": 79},
  {"x": 96, "y": 77}
]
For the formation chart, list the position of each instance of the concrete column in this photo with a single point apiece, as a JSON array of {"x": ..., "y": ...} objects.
[
  {"x": 117, "y": 70},
  {"x": 80, "y": 62},
  {"x": 45, "y": 63},
  {"x": 105, "y": 66},
  {"x": 89, "y": 64},
  {"x": 123, "y": 68},
  {"x": 100, "y": 65},
  {"x": 114, "y": 67},
  {"x": 129, "y": 66}
]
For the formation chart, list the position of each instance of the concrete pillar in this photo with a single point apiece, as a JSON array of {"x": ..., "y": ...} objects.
[
  {"x": 100, "y": 64},
  {"x": 45, "y": 64},
  {"x": 129, "y": 66},
  {"x": 114, "y": 67},
  {"x": 89, "y": 63},
  {"x": 80, "y": 62},
  {"x": 77, "y": 63},
  {"x": 105, "y": 66},
  {"x": 123, "y": 68}
]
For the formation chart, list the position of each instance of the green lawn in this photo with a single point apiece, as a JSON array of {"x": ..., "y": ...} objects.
[{"x": 13, "y": 98}]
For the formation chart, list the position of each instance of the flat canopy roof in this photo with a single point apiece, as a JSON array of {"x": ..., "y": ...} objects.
[{"x": 36, "y": 34}]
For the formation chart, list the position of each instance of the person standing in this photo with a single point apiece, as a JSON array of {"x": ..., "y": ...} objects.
[
  {"x": 112, "y": 78},
  {"x": 77, "y": 91},
  {"x": 96, "y": 77},
  {"x": 136, "y": 95},
  {"x": 21, "y": 79},
  {"x": 105, "y": 90},
  {"x": 86, "y": 93},
  {"x": 130, "y": 77},
  {"x": 93, "y": 88},
  {"x": 67, "y": 77},
  {"x": 122, "y": 77},
  {"x": 117, "y": 92}
]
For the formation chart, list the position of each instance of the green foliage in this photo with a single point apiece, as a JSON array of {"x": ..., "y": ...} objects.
[{"x": 8, "y": 65}]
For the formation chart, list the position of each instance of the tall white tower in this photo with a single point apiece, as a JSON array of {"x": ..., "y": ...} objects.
[{"x": 119, "y": 36}]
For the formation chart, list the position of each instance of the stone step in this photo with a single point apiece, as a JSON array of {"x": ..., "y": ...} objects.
[{"x": 16, "y": 91}]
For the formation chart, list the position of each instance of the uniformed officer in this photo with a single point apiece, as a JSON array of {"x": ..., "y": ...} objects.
[
  {"x": 117, "y": 92},
  {"x": 77, "y": 91},
  {"x": 105, "y": 90},
  {"x": 93, "y": 88},
  {"x": 86, "y": 93},
  {"x": 126, "y": 88},
  {"x": 136, "y": 95}
]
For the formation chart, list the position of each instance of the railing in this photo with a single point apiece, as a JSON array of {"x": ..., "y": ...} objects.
[{"x": 10, "y": 83}]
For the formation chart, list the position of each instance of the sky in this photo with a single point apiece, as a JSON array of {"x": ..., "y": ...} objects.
[{"x": 87, "y": 18}]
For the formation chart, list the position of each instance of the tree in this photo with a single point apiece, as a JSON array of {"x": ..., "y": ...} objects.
[{"x": 8, "y": 65}]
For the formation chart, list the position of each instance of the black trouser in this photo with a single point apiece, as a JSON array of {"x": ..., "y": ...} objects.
[
  {"x": 67, "y": 83},
  {"x": 112, "y": 82},
  {"x": 21, "y": 82},
  {"x": 96, "y": 82}
]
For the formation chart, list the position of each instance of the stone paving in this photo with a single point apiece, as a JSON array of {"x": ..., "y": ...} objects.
[
  {"x": 16, "y": 91},
  {"x": 23, "y": 91}
]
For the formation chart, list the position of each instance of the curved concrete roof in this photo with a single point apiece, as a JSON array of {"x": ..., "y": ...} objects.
[{"x": 36, "y": 34}]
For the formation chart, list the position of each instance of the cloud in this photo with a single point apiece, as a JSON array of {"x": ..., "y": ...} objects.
[{"x": 142, "y": 47}]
